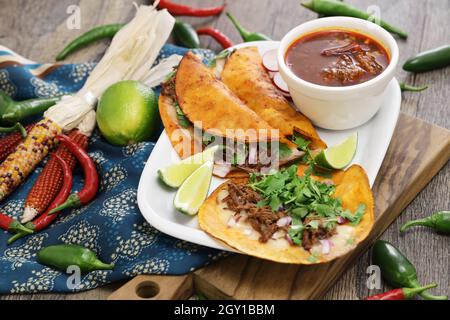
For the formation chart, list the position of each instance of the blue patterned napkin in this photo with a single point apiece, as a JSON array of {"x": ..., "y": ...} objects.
[{"x": 111, "y": 225}]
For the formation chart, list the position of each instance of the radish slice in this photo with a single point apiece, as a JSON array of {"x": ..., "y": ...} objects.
[
  {"x": 280, "y": 84},
  {"x": 269, "y": 60}
]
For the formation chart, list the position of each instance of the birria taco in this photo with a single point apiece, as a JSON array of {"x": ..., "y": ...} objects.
[
  {"x": 292, "y": 216},
  {"x": 246, "y": 77},
  {"x": 193, "y": 99}
]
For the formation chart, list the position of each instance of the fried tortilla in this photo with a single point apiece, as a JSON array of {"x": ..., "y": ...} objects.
[
  {"x": 207, "y": 101},
  {"x": 352, "y": 186},
  {"x": 245, "y": 75}
]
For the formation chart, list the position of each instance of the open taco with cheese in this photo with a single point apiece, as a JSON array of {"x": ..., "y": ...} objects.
[
  {"x": 199, "y": 111},
  {"x": 245, "y": 76},
  {"x": 292, "y": 216}
]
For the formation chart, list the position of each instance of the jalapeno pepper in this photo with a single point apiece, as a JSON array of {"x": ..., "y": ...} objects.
[
  {"x": 90, "y": 187},
  {"x": 337, "y": 8},
  {"x": 439, "y": 221},
  {"x": 246, "y": 35},
  {"x": 396, "y": 269},
  {"x": 185, "y": 35},
  {"x": 18, "y": 110},
  {"x": 401, "y": 293},
  {"x": 63, "y": 256},
  {"x": 12, "y": 111},
  {"x": 97, "y": 33},
  {"x": 429, "y": 60}
]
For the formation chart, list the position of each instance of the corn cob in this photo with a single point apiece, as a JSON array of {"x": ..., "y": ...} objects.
[
  {"x": 9, "y": 142},
  {"x": 50, "y": 180},
  {"x": 18, "y": 165}
]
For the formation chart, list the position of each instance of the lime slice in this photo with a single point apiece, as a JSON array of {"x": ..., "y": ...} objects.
[
  {"x": 175, "y": 174},
  {"x": 194, "y": 190},
  {"x": 340, "y": 156}
]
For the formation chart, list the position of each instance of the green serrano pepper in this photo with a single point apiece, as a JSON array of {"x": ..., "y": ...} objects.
[
  {"x": 439, "y": 221},
  {"x": 337, "y": 8},
  {"x": 429, "y": 60},
  {"x": 396, "y": 269},
  {"x": 406, "y": 87},
  {"x": 65, "y": 255},
  {"x": 97, "y": 33},
  {"x": 186, "y": 35},
  {"x": 246, "y": 35},
  {"x": 15, "y": 111}
]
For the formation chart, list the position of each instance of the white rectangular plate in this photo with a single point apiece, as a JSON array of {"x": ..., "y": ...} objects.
[{"x": 156, "y": 201}]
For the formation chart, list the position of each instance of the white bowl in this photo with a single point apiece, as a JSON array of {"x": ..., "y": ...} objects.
[{"x": 339, "y": 108}]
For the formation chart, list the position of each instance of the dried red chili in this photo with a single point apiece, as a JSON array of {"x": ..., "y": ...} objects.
[
  {"x": 221, "y": 38},
  {"x": 183, "y": 10},
  {"x": 90, "y": 187},
  {"x": 401, "y": 293}
]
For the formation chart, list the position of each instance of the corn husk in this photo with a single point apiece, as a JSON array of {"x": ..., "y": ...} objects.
[{"x": 130, "y": 56}]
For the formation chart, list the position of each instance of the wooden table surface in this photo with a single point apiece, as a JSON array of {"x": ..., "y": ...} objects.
[{"x": 38, "y": 30}]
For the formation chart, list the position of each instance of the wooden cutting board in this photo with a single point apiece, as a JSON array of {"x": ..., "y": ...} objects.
[{"x": 417, "y": 152}]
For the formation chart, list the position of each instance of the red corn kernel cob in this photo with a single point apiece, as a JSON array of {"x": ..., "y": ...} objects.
[
  {"x": 9, "y": 142},
  {"x": 50, "y": 180}
]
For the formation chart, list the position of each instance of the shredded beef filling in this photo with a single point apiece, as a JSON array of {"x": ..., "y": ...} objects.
[
  {"x": 262, "y": 219},
  {"x": 168, "y": 88}
]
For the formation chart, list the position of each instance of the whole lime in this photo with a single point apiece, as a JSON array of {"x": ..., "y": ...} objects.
[{"x": 127, "y": 113}]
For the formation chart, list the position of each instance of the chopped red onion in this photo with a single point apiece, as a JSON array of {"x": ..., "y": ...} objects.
[
  {"x": 285, "y": 221},
  {"x": 288, "y": 239},
  {"x": 231, "y": 222},
  {"x": 326, "y": 246},
  {"x": 221, "y": 170},
  {"x": 341, "y": 220}
]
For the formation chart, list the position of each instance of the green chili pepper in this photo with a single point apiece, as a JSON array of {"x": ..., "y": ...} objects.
[
  {"x": 65, "y": 255},
  {"x": 186, "y": 35},
  {"x": 97, "y": 33},
  {"x": 16, "y": 111},
  {"x": 439, "y": 221},
  {"x": 5, "y": 102},
  {"x": 406, "y": 87},
  {"x": 246, "y": 35},
  {"x": 396, "y": 269},
  {"x": 16, "y": 127},
  {"x": 429, "y": 60},
  {"x": 337, "y": 8}
]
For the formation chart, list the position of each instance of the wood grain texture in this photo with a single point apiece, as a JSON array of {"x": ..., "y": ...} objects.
[{"x": 37, "y": 30}]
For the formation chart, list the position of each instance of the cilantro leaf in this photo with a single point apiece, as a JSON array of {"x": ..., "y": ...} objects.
[
  {"x": 182, "y": 120},
  {"x": 301, "y": 143}
]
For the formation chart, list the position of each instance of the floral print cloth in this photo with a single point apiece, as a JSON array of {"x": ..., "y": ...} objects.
[{"x": 111, "y": 225}]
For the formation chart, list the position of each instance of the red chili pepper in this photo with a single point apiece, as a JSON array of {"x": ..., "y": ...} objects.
[
  {"x": 12, "y": 225},
  {"x": 46, "y": 218},
  {"x": 90, "y": 187},
  {"x": 401, "y": 293},
  {"x": 183, "y": 10},
  {"x": 221, "y": 38}
]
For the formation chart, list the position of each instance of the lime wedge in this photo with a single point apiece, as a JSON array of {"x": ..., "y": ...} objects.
[
  {"x": 339, "y": 156},
  {"x": 194, "y": 190},
  {"x": 175, "y": 174}
]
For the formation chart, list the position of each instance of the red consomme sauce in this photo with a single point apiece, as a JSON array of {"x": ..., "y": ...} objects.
[{"x": 336, "y": 58}]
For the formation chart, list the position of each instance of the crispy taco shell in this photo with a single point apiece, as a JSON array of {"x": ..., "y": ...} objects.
[
  {"x": 183, "y": 139},
  {"x": 205, "y": 99},
  {"x": 352, "y": 186},
  {"x": 245, "y": 75}
]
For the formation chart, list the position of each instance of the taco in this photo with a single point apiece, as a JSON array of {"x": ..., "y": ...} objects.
[
  {"x": 293, "y": 216},
  {"x": 199, "y": 111},
  {"x": 245, "y": 75}
]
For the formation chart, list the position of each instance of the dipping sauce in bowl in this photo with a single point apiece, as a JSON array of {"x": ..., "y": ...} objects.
[{"x": 336, "y": 58}]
